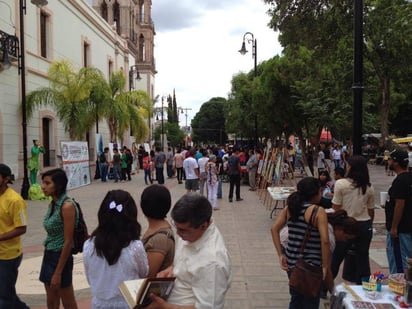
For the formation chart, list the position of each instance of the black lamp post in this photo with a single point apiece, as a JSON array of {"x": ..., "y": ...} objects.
[
  {"x": 132, "y": 71},
  {"x": 22, "y": 71},
  {"x": 184, "y": 110},
  {"x": 243, "y": 51},
  {"x": 357, "y": 86}
]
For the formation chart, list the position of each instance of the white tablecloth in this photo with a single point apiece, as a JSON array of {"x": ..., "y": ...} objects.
[{"x": 385, "y": 296}]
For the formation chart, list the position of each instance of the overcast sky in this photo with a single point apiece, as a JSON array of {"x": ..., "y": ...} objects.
[{"x": 197, "y": 43}]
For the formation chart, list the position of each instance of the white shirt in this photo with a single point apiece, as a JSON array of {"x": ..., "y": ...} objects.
[
  {"x": 190, "y": 164},
  {"x": 202, "y": 270},
  {"x": 321, "y": 157},
  {"x": 104, "y": 279},
  {"x": 202, "y": 163},
  {"x": 337, "y": 154},
  {"x": 352, "y": 200}
]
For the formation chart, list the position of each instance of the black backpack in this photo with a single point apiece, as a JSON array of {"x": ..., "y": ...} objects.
[
  {"x": 80, "y": 233},
  {"x": 103, "y": 158}
]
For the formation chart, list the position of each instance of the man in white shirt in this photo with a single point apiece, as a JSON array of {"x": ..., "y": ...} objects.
[
  {"x": 191, "y": 168},
  {"x": 202, "y": 263},
  {"x": 202, "y": 173}
]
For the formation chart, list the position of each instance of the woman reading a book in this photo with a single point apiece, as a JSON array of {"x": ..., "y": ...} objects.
[
  {"x": 114, "y": 252},
  {"x": 158, "y": 239}
]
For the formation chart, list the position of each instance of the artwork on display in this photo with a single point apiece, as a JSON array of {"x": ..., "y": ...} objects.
[
  {"x": 278, "y": 166},
  {"x": 75, "y": 159}
]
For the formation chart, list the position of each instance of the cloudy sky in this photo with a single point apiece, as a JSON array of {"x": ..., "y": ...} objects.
[{"x": 197, "y": 43}]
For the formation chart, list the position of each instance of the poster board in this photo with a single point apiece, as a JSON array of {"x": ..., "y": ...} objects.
[
  {"x": 75, "y": 159},
  {"x": 278, "y": 162}
]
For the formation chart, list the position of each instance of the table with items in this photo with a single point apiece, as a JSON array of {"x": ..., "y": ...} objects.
[
  {"x": 356, "y": 296},
  {"x": 278, "y": 194}
]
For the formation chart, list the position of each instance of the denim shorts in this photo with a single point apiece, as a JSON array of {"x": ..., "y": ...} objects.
[{"x": 49, "y": 264}]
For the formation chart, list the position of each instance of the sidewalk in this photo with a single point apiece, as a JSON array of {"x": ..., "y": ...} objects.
[{"x": 258, "y": 281}]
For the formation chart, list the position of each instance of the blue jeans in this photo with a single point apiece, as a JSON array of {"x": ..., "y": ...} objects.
[
  {"x": 8, "y": 297},
  {"x": 169, "y": 169},
  {"x": 104, "y": 169},
  {"x": 299, "y": 301},
  {"x": 148, "y": 174},
  {"x": 117, "y": 171},
  {"x": 159, "y": 175},
  {"x": 397, "y": 250}
]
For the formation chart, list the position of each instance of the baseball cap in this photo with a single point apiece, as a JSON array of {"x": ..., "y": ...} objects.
[
  {"x": 399, "y": 156},
  {"x": 5, "y": 171}
]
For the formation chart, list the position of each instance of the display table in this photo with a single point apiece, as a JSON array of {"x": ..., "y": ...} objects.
[
  {"x": 357, "y": 293},
  {"x": 278, "y": 194}
]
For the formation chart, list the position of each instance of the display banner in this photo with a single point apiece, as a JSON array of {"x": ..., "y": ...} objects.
[{"x": 75, "y": 159}]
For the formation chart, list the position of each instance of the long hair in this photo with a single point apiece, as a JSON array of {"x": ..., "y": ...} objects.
[
  {"x": 307, "y": 189},
  {"x": 117, "y": 226},
  {"x": 59, "y": 179},
  {"x": 359, "y": 172}
]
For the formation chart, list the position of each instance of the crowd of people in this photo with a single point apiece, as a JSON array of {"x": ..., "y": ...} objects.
[{"x": 190, "y": 246}]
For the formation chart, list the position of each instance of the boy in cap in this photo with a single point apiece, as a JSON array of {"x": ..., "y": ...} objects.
[
  {"x": 13, "y": 222},
  {"x": 398, "y": 213}
]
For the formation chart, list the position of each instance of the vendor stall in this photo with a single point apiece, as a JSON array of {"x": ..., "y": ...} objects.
[{"x": 357, "y": 297}]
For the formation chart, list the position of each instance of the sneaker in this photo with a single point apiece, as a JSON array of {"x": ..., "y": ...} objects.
[
  {"x": 230, "y": 200},
  {"x": 239, "y": 199}
]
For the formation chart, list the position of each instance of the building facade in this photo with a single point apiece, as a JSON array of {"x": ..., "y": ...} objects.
[{"x": 73, "y": 30}]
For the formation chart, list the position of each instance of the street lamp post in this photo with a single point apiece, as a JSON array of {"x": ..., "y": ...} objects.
[
  {"x": 132, "y": 71},
  {"x": 162, "y": 142},
  {"x": 184, "y": 110},
  {"x": 243, "y": 51},
  {"x": 357, "y": 86},
  {"x": 22, "y": 71}
]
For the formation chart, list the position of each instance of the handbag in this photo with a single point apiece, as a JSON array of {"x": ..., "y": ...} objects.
[{"x": 306, "y": 279}]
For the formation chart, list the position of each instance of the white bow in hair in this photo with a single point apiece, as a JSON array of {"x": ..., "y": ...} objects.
[{"x": 119, "y": 207}]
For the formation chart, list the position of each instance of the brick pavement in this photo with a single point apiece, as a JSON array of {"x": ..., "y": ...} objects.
[{"x": 258, "y": 281}]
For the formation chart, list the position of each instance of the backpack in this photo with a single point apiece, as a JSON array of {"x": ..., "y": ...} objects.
[
  {"x": 80, "y": 234},
  {"x": 103, "y": 158}
]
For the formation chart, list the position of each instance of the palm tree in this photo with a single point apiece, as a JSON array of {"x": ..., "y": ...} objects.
[
  {"x": 124, "y": 110},
  {"x": 68, "y": 94},
  {"x": 84, "y": 97}
]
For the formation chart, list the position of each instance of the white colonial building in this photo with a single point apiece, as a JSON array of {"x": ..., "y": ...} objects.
[{"x": 109, "y": 35}]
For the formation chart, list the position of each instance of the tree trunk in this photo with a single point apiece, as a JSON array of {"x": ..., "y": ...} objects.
[{"x": 385, "y": 88}]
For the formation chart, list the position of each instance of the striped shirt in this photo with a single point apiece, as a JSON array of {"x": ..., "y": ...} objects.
[{"x": 312, "y": 252}]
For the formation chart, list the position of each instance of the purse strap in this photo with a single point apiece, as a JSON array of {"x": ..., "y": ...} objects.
[{"x": 308, "y": 229}]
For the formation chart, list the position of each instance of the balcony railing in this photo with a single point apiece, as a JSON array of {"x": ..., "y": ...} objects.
[{"x": 10, "y": 44}]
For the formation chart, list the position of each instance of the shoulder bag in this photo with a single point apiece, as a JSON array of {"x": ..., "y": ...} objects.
[{"x": 306, "y": 279}]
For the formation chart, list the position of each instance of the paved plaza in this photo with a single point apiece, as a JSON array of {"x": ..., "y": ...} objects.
[{"x": 258, "y": 281}]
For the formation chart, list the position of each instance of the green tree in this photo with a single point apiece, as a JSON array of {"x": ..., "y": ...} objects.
[
  {"x": 126, "y": 109},
  {"x": 83, "y": 97},
  {"x": 68, "y": 94},
  {"x": 208, "y": 125}
]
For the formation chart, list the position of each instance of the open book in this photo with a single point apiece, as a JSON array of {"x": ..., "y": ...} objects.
[{"x": 136, "y": 292}]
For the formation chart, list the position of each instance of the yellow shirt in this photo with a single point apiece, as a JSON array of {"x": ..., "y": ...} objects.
[{"x": 12, "y": 215}]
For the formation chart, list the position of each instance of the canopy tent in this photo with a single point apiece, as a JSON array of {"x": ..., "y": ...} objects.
[
  {"x": 325, "y": 136},
  {"x": 403, "y": 140}
]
